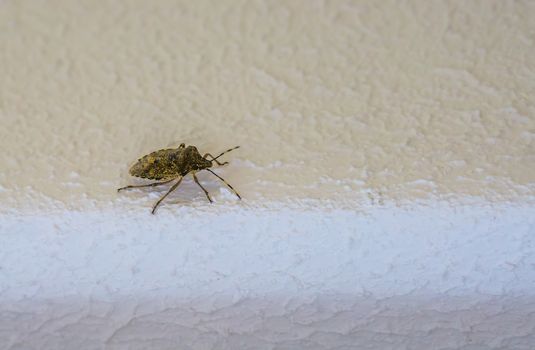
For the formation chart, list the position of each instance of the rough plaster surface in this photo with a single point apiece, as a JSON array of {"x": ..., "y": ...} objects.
[
  {"x": 444, "y": 277},
  {"x": 326, "y": 98},
  {"x": 387, "y": 166}
]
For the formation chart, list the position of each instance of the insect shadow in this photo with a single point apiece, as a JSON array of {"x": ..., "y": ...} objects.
[{"x": 174, "y": 164}]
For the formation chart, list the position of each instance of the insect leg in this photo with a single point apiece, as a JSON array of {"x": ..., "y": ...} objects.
[
  {"x": 165, "y": 195},
  {"x": 226, "y": 183},
  {"x": 213, "y": 159},
  {"x": 205, "y": 191},
  {"x": 148, "y": 185}
]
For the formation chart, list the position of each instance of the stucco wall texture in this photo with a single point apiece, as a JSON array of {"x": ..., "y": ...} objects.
[{"x": 387, "y": 166}]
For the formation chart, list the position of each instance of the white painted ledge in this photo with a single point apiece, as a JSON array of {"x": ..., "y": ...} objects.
[{"x": 227, "y": 277}]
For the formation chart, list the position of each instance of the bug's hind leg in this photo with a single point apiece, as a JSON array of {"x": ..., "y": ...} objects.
[
  {"x": 165, "y": 195},
  {"x": 204, "y": 189},
  {"x": 148, "y": 185},
  {"x": 226, "y": 183}
]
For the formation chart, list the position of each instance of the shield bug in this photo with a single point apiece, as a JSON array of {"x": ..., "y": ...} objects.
[{"x": 173, "y": 164}]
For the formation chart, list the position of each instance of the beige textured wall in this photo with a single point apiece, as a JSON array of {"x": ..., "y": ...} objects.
[{"x": 337, "y": 100}]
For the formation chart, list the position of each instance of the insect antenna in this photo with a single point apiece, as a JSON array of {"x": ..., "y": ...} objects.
[{"x": 228, "y": 150}]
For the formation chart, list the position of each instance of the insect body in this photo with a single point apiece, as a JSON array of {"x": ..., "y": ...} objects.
[{"x": 173, "y": 164}]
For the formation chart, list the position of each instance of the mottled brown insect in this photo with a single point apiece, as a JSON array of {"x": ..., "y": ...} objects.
[{"x": 173, "y": 164}]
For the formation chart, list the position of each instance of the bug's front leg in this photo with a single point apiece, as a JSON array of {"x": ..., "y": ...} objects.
[
  {"x": 226, "y": 183},
  {"x": 213, "y": 159}
]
